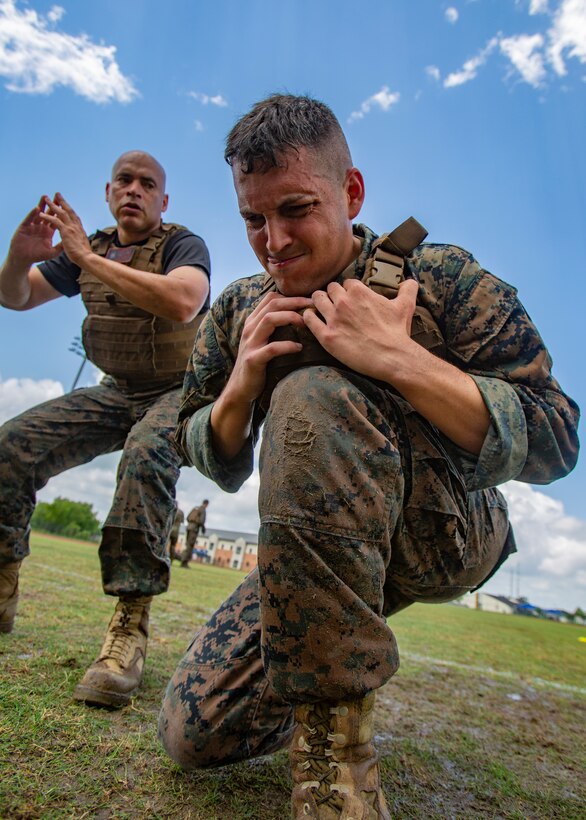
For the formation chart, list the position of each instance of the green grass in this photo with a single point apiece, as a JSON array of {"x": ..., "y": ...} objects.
[{"x": 484, "y": 719}]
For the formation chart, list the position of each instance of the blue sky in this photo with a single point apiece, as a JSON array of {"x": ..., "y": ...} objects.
[{"x": 470, "y": 115}]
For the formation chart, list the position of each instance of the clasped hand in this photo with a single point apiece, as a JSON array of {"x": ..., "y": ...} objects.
[
  {"x": 362, "y": 329},
  {"x": 353, "y": 323}
]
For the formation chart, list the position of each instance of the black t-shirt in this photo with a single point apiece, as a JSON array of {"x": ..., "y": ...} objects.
[{"x": 182, "y": 248}]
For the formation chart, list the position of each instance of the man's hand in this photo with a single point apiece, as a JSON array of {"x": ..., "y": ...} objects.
[
  {"x": 232, "y": 413},
  {"x": 361, "y": 328},
  {"x": 22, "y": 285},
  {"x": 248, "y": 378},
  {"x": 371, "y": 334},
  {"x": 60, "y": 216},
  {"x": 33, "y": 239}
]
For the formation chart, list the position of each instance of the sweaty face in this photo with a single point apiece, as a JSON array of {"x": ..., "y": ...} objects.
[
  {"x": 299, "y": 220},
  {"x": 136, "y": 196}
]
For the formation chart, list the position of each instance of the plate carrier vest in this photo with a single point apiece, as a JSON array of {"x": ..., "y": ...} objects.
[
  {"x": 384, "y": 272},
  {"x": 123, "y": 340}
]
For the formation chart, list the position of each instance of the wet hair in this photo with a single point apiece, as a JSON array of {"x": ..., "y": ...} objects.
[{"x": 281, "y": 123}]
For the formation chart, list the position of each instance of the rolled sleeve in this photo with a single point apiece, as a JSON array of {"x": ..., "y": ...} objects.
[
  {"x": 505, "y": 447},
  {"x": 197, "y": 442}
]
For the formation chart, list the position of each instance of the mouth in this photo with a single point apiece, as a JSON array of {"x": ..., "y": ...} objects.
[
  {"x": 131, "y": 208},
  {"x": 276, "y": 262}
]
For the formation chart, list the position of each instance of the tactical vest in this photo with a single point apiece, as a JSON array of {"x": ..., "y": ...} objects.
[
  {"x": 384, "y": 272},
  {"x": 123, "y": 340}
]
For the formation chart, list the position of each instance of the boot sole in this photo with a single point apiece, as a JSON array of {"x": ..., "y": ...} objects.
[{"x": 96, "y": 697}]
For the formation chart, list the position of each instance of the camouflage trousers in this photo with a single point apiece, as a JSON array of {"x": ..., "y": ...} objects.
[
  {"x": 191, "y": 533},
  {"x": 363, "y": 512},
  {"x": 72, "y": 430}
]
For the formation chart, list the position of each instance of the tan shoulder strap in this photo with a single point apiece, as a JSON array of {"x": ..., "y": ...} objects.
[
  {"x": 385, "y": 270},
  {"x": 385, "y": 266}
]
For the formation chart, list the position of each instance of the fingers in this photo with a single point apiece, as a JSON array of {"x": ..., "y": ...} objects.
[
  {"x": 273, "y": 302},
  {"x": 55, "y": 250},
  {"x": 408, "y": 291}
]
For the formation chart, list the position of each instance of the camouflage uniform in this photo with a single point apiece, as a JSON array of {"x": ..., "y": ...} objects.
[
  {"x": 365, "y": 507},
  {"x": 195, "y": 522},
  {"x": 137, "y": 415},
  {"x": 174, "y": 534}
]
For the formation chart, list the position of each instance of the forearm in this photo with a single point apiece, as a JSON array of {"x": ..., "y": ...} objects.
[
  {"x": 166, "y": 296},
  {"x": 231, "y": 424},
  {"x": 15, "y": 289},
  {"x": 441, "y": 393}
]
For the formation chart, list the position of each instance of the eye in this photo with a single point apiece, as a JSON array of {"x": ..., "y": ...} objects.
[
  {"x": 297, "y": 211},
  {"x": 254, "y": 221}
]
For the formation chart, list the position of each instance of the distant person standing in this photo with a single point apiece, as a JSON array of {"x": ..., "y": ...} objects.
[
  {"x": 174, "y": 535},
  {"x": 195, "y": 522},
  {"x": 145, "y": 285}
]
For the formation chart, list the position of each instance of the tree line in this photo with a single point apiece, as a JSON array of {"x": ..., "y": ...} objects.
[{"x": 74, "y": 519}]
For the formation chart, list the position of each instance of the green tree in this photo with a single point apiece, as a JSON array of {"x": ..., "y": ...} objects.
[{"x": 75, "y": 519}]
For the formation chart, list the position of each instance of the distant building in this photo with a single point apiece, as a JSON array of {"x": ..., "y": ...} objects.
[
  {"x": 489, "y": 603},
  {"x": 225, "y": 548}
]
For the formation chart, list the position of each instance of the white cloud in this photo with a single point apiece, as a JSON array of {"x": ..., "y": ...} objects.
[
  {"x": 567, "y": 34},
  {"x": 552, "y": 550},
  {"x": 470, "y": 68},
  {"x": 525, "y": 53},
  {"x": 36, "y": 59},
  {"x": 383, "y": 99},
  {"x": 198, "y": 125},
  {"x": 433, "y": 72},
  {"x": 17, "y": 395},
  {"x": 451, "y": 15},
  {"x": 538, "y": 7},
  {"x": 206, "y": 99},
  {"x": 533, "y": 56},
  {"x": 55, "y": 14}
]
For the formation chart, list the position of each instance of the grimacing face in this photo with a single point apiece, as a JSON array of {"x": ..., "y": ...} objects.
[
  {"x": 299, "y": 220},
  {"x": 136, "y": 196}
]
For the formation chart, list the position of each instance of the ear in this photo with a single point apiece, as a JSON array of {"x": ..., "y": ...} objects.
[
  {"x": 164, "y": 203},
  {"x": 354, "y": 186},
  {"x": 107, "y": 191}
]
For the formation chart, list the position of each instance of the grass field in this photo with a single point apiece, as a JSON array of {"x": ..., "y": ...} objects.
[{"x": 484, "y": 719}]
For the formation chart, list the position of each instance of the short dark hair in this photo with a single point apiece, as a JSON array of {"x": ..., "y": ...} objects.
[{"x": 281, "y": 123}]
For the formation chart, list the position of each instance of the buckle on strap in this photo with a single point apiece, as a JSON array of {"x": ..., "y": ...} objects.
[{"x": 385, "y": 268}]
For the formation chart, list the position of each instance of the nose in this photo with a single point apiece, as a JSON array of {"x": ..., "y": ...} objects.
[
  {"x": 277, "y": 236},
  {"x": 134, "y": 188}
]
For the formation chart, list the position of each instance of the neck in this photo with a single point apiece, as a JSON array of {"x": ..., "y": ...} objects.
[{"x": 132, "y": 237}]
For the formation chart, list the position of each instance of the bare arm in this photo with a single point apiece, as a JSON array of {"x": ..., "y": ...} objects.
[
  {"x": 231, "y": 416},
  {"x": 179, "y": 295},
  {"x": 22, "y": 285},
  {"x": 356, "y": 321}
]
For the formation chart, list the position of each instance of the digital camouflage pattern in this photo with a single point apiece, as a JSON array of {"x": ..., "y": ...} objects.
[
  {"x": 219, "y": 707},
  {"x": 74, "y": 429},
  {"x": 365, "y": 507}
]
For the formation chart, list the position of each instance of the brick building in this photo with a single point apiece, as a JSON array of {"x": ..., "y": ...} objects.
[{"x": 225, "y": 548}]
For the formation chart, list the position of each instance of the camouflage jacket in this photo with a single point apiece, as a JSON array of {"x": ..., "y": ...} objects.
[{"x": 488, "y": 334}]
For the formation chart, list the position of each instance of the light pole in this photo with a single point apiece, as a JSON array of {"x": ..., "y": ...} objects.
[{"x": 77, "y": 348}]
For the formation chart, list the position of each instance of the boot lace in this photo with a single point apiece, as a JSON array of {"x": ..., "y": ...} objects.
[
  {"x": 120, "y": 641},
  {"x": 319, "y": 767}
]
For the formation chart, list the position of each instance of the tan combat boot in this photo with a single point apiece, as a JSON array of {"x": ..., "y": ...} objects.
[
  {"x": 334, "y": 763},
  {"x": 114, "y": 677},
  {"x": 8, "y": 594}
]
